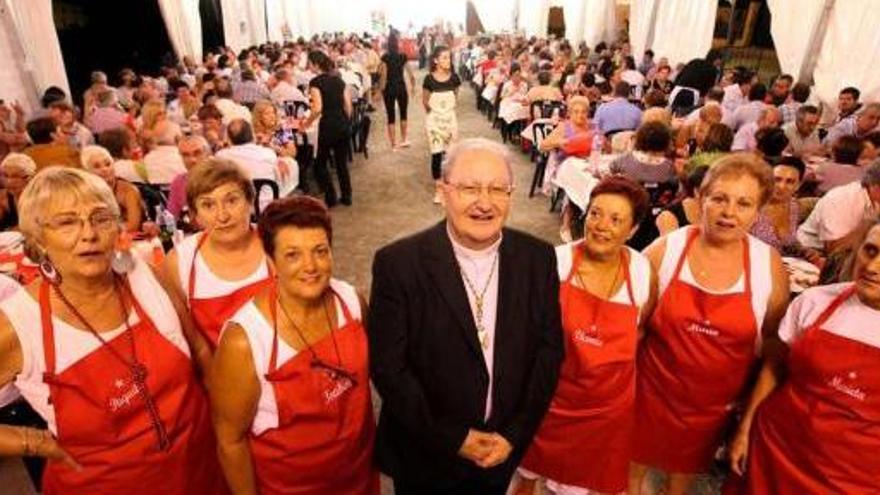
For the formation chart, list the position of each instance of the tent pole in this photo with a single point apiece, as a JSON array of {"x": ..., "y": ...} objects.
[{"x": 652, "y": 23}]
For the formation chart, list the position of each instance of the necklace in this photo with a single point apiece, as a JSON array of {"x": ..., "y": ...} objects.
[
  {"x": 594, "y": 332},
  {"x": 479, "y": 299},
  {"x": 336, "y": 372},
  {"x": 137, "y": 369}
]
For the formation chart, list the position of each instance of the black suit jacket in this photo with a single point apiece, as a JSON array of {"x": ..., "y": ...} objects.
[{"x": 427, "y": 364}]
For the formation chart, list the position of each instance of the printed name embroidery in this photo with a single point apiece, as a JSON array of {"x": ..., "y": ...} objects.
[
  {"x": 837, "y": 383},
  {"x": 340, "y": 388},
  {"x": 117, "y": 403},
  {"x": 590, "y": 337},
  {"x": 704, "y": 328}
]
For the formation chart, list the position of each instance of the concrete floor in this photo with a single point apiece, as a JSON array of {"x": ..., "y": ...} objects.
[{"x": 393, "y": 192}]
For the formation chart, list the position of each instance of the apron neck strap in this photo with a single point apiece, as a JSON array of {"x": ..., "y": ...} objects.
[
  {"x": 747, "y": 266},
  {"x": 835, "y": 304},
  {"x": 48, "y": 331},
  {"x": 191, "y": 287},
  {"x": 577, "y": 256}
]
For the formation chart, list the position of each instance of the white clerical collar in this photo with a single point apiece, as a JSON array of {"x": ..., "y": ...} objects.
[{"x": 469, "y": 253}]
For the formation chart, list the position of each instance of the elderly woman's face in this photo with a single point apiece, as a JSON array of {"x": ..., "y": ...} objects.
[
  {"x": 224, "y": 212},
  {"x": 866, "y": 271},
  {"x": 730, "y": 206},
  {"x": 579, "y": 115},
  {"x": 609, "y": 224},
  {"x": 14, "y": 180},
  {"x": 79, "y": 236},
  {"x": 303, "y": 261},
  {"x": 103, "y": 168}
]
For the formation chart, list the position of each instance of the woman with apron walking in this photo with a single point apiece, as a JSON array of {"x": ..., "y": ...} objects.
[{"x": 439, "y": 92}]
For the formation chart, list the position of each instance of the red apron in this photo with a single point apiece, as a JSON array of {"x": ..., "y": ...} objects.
[
  {"x": 820, "y": 431},
  {"x": 693, "y": 368},
  {"x": 323, "y": 444},
  {"x": 585, "y": 439},
  {"x": 103, "y": 422},
  {"x": 211, "y": 313}
]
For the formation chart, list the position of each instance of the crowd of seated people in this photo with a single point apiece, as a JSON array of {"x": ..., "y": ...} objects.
[{"x": 260, "y": 93}]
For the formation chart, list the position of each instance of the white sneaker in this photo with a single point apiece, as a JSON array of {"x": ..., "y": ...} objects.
[{"x": 405, "y": 144}]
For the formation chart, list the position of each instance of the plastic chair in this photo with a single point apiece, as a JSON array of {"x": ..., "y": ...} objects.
[
  {"x": 540, "y": 131},
  {"x": 259, "y": 185}
]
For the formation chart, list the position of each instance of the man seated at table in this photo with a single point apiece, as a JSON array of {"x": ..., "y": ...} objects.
[
  {"x": 751, "y": 111},
  {"x": 745, "y": 140},
  {"x": 260, "y": 162},
  {"x": 859, "y": 126},
  {"x": 544, "y": 91},
  {"x": 800, "y": 93},
  {"x": 618, "y": 114},
  {"x": 847, "y": 104},
  {"x": 51, "y": 146},
  {"x": 803, "y": 137},
  {"x": 845, "y": 165},
  {"x": 834, "y": 223}
]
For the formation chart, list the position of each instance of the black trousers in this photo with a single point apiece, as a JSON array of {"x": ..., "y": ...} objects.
[
  {"x": 338, "y": 147},
  {"x": 402, "y": 99},
  {"x": 474, "y": 486},
  {"x": 436, "y": 163}
]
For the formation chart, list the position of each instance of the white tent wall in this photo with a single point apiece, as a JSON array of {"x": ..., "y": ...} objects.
[
  {"x": 184, "y": 25},
  {"x": 286, "y": 16},
  {"x": 640, "y": 13},
  {"x": 16, "y": 83},
  {"x": 792, "y": 34},
  {"x": 599, "y": 22},
  {"x": 849, "y": 52},
  {"x": 496, "y": 15},
  {"x": 244, "y": 22},
  {"x": 533, "y": 16},
  {"x": 34, "y": 29},
  {"x": 683, "y": 29}
]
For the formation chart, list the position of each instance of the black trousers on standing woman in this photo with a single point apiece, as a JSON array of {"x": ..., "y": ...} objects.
[{"x": 337, "y": 146}]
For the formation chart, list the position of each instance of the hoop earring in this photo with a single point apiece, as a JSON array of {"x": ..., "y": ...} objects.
[
  {"x": 122, "y": 262},
  {"x": 49, "y": 272}
]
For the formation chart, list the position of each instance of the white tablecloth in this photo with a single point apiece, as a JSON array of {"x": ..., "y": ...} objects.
[{"x": 578, "y": 177}]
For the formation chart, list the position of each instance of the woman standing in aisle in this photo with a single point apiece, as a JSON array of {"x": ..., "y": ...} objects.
[
  {"x": 104, "y": 354},
  {"x": 393, "y": 87},
  {"x": 606, "y": 294},
  {"x": 439, "y": 93},
  {"x": 291, "y": 390},
  {"x": 221, "y": 268},
  {"x": 331, "y": 103},
  {"x": 813, "y": 423},
  {"x": 704, "y": 335}
]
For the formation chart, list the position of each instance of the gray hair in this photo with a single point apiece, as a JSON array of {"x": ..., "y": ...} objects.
[
  {"x": 195, "y": 138},
  {"x": 871, "y": 107},
  {"x": 871, "y": 177},
  {"x": 56, "y": 182},
  {"x": 474, "y": 144},
  {"x": 20, "y": 162}
]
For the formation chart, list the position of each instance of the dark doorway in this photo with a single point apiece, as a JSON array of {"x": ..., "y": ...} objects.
[
  {"x": 212, "y": 25},
  {"x": 556, "y": 22},
  {"x": 109, "y": 35}
]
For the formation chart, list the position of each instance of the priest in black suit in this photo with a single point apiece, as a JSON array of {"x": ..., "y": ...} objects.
[{"x": 465, "y": 336}]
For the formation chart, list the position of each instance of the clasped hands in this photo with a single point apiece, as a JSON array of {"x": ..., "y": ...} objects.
[{"x": 485, "y": 449}]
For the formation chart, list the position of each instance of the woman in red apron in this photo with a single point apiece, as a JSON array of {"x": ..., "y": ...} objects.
[
  {"x": 584, "y": 441},
  {"x": 817, "y": 427},
  {"x": 223, "y": 267},
  {"x": 101, "y": 356},
  {"x": 291, "y": 399},
  {"x": 718, "y": 289}
]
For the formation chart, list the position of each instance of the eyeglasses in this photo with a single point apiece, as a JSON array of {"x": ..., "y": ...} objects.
[
  {"x": 472, "y": 192},
  {"x": 71, "y": 224}
]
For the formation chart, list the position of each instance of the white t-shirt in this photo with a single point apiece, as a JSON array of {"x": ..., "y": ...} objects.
[
  {"x": 73, "y": 344},
  {"x": 259, "y": 332},
  {"x": 835, "y": 215},
  {"x": 852, "y": 319},
  {"x": 639, "y": 274},
  {"x": 163, "y": 164},
  {"x": 208, "y": 284}
]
